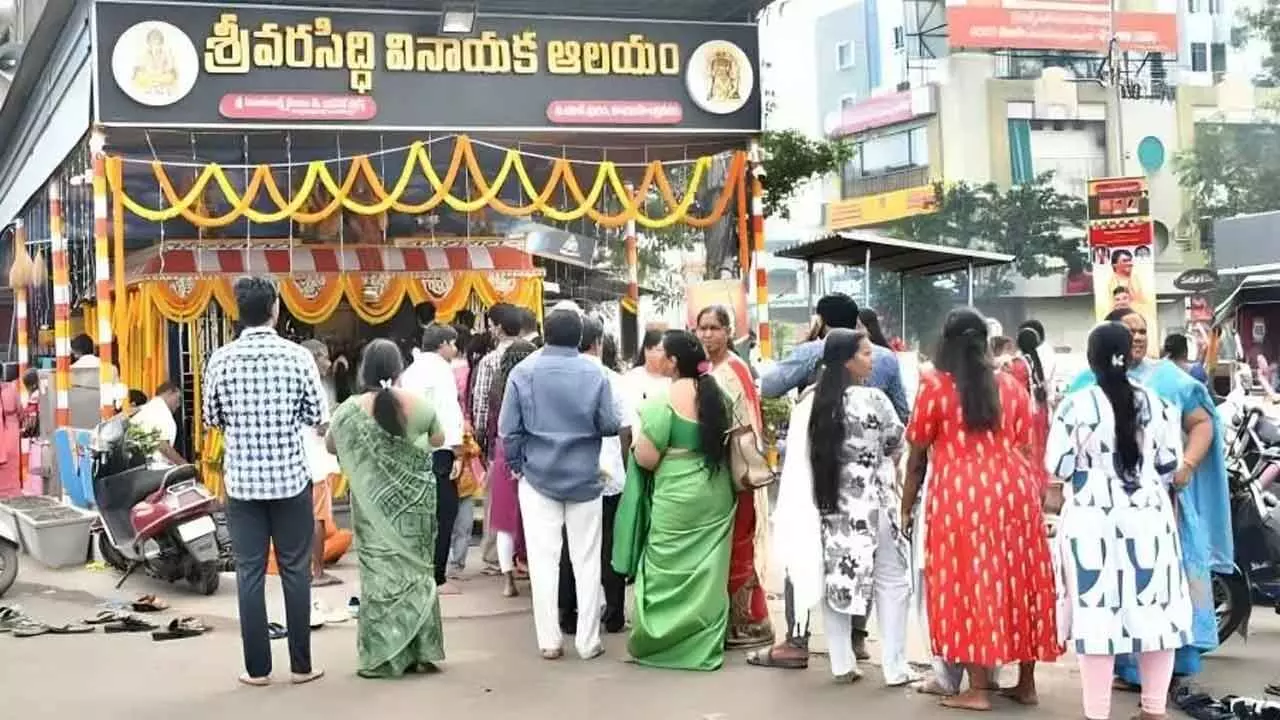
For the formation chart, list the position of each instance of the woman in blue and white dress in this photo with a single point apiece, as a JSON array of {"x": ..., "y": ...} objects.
[{"x": 1121, "y": 585}]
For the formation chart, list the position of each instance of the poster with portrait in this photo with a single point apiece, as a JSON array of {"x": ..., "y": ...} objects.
[
  {"x": 1121, "y": 247},
  {"x": 1124, "y": 276},
  {"x": 729, "y": 293}
]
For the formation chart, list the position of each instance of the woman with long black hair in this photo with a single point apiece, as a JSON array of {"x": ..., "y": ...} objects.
[
  {"x": 1028, "y": 369},
  {"x": 383, "y": 438},
  {"x": 675, "y": 520},
  {"x": 870, "y": 323},
  {"x": 836, "y": 525},
  {"x": 988, "y": 581},
  {"x": 1118, "y": 444}
]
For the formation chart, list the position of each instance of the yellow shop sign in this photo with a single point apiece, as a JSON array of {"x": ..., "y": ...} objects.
[{"x": 881, "y": 208}]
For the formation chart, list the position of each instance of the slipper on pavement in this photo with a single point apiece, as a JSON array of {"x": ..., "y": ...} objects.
[
  {"x": 129, "y": 624},
  {"x": 304, "y": 678},
  {"x": 180, "y": 628},
  {"x": 276, "y": 631},
  {"x": 149, "y": 604},
  {"x": 251, "y": 681},
  {"x": 27, "y": 628},
  {"x": 105, "y": 616},
  {"x": 9, "y": 618},
  {"x": 70, "y": 629}
]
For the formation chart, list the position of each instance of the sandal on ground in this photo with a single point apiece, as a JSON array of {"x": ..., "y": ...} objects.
[
  {"x": 70, "y": 629},
  {"x": 1199, "y": 705},
  {"x": 934, "y": 688},
  {"x": 179, "y": 629},
  {"x": 767, "y": 658},
  {"x": 26, "y": 628},
  {"x": 251, "y": 681},
  {"x": 1125, "y": 686},
  {"x": 324, "y": 579},
  {"x": 149, "y": 604},
  {"x": 104, "y": 617},
  {"x": 9, "y": 618},
  {"x": 129, "y": 624},
  {"x": 1273, "y": 689},
  {"x": 552, "y": 654},
  {"x": 276, "y": 631},
  {"x": 490, "y": 570}
]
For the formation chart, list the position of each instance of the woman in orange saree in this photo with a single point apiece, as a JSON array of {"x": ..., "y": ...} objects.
[{"x": 749, "y": 624}]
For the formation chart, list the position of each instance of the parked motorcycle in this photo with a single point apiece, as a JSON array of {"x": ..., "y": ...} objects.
[
  {"x": 1253, "y": 459},
  {"x": 8, "y": 551},
  {"x": 160, "y": 520}
]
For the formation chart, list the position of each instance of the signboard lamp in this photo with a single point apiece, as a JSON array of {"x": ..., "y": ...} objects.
[{"x": 458, "y": 18}]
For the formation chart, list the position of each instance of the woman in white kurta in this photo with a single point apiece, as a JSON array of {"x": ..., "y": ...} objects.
[
  {"x": 836, "y": 527},
  {"x": 1120, "y": 580}
]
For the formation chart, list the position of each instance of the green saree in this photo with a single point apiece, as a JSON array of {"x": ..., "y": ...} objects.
[
  {"x": 393, "y": 504},
  {"x": 672, "y": 533}
]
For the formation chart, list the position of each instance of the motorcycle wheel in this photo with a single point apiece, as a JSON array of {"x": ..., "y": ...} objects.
[
  {"x": 206, "y": 578},
  {"x": 1231, "y": 603},
  {"x": 110, "y": 555},
  {"x": 8, "y": 565}
]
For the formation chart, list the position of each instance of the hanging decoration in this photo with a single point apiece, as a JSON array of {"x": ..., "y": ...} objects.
[{"x": 362, "y": 192}]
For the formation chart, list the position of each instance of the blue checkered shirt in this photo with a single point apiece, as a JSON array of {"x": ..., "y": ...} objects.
[{"x": 261, "y": 391}]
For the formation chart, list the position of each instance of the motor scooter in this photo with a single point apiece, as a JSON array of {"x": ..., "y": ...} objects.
[
  {"x": 160, "y": 520},
  {"x": 8, "y": 551}
]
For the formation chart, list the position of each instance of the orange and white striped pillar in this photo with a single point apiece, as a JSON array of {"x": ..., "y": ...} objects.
[
  {"x": 102, "y": 273},
  {"x": 20, "y": 313},
  {"x": 61, "y": 308},
  {"x": 759, "y": 274}
]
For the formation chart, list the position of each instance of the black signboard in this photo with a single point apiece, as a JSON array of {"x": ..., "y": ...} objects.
[
  {"x": 1196, "y": 280},
  {"x": 203, "y": 65}
]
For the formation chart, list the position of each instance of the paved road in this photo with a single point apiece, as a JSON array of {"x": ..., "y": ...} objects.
[{"x": 493, "y": 670}]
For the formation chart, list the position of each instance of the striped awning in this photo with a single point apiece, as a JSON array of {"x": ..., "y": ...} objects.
[{"x": 177, "y": 260}]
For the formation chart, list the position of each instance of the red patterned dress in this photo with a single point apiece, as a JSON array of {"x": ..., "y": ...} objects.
[{"x": 988, "y": 576}]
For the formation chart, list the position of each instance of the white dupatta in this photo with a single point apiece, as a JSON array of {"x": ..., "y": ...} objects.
[{"x": 797, "y": 525}]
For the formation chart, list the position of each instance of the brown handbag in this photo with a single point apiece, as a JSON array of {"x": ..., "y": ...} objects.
[{"x": 748, "y": 464}]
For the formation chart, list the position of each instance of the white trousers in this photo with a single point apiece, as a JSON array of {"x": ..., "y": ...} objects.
[
  {"x": 892, "y": 596},
  {"x": 505, "y": 543},
  {"x": 543, "y": 520}
]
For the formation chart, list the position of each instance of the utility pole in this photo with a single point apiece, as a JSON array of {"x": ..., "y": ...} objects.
[{"x": 1115, "y": 122}]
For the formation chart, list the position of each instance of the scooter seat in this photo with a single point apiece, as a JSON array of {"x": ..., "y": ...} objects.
[
  {"x": 180, "y": 473},
  {"x": 123, "y": 491}
]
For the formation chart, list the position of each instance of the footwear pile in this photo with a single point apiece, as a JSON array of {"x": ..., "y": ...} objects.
[{"x": 113, "y": 620}]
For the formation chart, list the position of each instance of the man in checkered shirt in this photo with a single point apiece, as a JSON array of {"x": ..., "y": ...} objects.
[{"x": 261, "y": 391}]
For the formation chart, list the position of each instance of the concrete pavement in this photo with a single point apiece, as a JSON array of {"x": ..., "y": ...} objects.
[{"x": 493, "y": 669}]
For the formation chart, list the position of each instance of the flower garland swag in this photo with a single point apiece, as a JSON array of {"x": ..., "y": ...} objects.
[{"x": 562, "y": 177}]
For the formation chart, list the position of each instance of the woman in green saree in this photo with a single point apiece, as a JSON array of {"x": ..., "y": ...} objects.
[
  {"x": 675, "y": 520},
  {"x": 383, "y": 439}
]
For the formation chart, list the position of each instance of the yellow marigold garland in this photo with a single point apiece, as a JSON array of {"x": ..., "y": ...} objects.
[{"x": 419, "y": 159}]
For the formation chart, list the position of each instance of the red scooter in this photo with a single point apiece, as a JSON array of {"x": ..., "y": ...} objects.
[{"x": 160, "y": 520}]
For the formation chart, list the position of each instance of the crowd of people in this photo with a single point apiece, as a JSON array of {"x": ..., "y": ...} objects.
[{"x": 595, "y": 478}]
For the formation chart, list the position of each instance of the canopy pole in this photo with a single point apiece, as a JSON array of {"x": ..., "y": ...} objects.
[
  {"x": 866, "y": 278},
  {"x": 810, "y": 280},
  {"x": 764, "y": 334},
  {"x": 970, "y": 283},
  {"x": 902, "y": 303}
]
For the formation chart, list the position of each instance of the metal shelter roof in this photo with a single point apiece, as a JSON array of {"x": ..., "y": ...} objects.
[
  {"x": 898, "y": 256},
  {"x": 689, "y": 10}
]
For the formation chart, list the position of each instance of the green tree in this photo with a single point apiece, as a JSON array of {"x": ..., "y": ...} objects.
[
  {"x": 1042, "y": 228},
  {"x": 1261, "y": 23},
  {"x": 1232, "y": 169}
]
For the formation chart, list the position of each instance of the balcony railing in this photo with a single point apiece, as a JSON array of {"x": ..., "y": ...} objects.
[{"x": 860, "y": 186}]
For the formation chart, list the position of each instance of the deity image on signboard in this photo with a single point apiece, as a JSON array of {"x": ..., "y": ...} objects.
[
  {"x": 154, "y": 63},
  {"x": 720, "y": 78}
]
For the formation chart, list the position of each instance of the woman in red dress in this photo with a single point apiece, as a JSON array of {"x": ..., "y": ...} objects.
[
  {"x": 988, "y": 578},
  {"x": 1029, "y": 372}
]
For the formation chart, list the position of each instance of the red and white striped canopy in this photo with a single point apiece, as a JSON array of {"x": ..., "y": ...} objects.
[{"x": 191, "y": 259}]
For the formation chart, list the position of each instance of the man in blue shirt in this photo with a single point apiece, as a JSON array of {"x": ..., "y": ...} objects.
[
  {"x": 794, "y": 372},
  {"x": 557, "y": 407}
]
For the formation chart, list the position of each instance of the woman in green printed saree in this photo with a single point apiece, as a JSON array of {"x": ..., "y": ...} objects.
[
  {"x": 383, "y": 438},
  {"x": 675, "y": 520}
]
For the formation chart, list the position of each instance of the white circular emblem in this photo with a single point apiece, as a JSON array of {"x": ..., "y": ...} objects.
[
  {"x": 720, "y": 77},
  {"x": 155, "y": 63}
]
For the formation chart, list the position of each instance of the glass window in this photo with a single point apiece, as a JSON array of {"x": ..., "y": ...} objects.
[
  {"x": 919, "y": 146},
  {"x": 899, "y": 39},
  {"x": 886, "y": 153},
  {"x": 1199, "y": 63},
  {"x": 844, "y": 55},
  {"x": 1218, "y": 57}
]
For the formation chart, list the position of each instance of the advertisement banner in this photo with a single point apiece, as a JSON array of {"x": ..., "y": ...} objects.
[
  {"x": 1124, "y": 274},
  {"x": 1079, "y": 25},
  {"x": 730, "y": 293},
  {"x": 195, "y": 64},
  {"x": 881, "y": 208}
]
